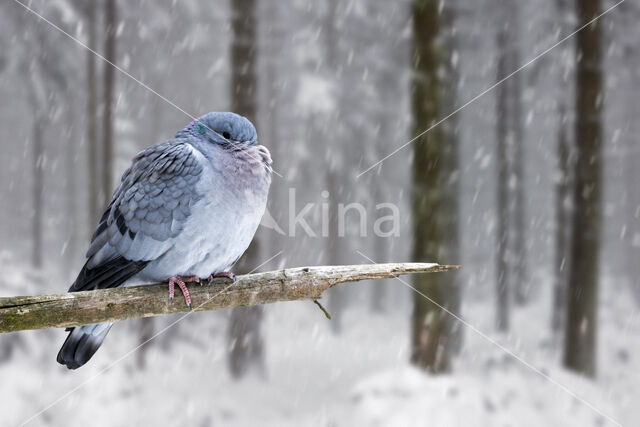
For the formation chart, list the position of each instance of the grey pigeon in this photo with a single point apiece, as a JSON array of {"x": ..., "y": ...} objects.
[{"x": 185, "y": 209}]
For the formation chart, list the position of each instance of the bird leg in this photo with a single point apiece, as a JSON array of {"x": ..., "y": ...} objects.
[
  {"x": 180, "y": 281},
  {"x": 227, "y": 274}
]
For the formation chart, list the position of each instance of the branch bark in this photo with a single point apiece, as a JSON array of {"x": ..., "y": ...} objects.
[{"x": 111, "y": 305}]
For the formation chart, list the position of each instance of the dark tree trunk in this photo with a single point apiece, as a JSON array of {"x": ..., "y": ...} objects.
[
  {"x": 451, "y": 251},
  {"x": 563, "y": 228},
  {"x": 245, "y": 341},
  {"x": 563, "y": 183},
  {"x": 244, "y": 80},
  {"x": 92, "y": 123},
  {"x": 580, "y": 344},
  {"x": 430, "y": 323},
  {"x": 110, "y": 15}
]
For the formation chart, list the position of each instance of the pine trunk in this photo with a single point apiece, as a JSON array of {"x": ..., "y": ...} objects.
[
  {"x": 580, "y": 344},
  {"x": 564, "y": 184},
  {"x": 429, "y": 322},
  {"x": 451, "y": 251}
]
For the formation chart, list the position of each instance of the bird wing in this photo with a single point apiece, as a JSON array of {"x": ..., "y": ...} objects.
[{"x": 147, "y": 211}]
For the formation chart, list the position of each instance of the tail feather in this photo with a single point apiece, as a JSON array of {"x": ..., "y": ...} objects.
[
  {"x": 81, "y": 344},
  {"x": 83, "y": 341}
]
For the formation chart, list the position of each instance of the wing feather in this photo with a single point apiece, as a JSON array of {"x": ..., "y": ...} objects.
[{"x": 146, "y": 213}]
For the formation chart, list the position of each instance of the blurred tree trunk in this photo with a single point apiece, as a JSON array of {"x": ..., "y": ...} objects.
[
  {"x": 38, "y": 102},
  {"x": 272, "y": 123},
  {"x": 511, "y": 272},
  {"x": 46, "y": 76},
  {"x": 387, "y": 88},
  {"x": 245, "y": 340},
  {"x": 451, "y": 251},
  {"x": 504, "y": 137},
  {"x": 631, "y": 13},
  {"x": 95, "y": 204},
  {"x": 430, "y": 324},
  {"x": 38, "y": 184},
  {"x": 71, "y": 187},
  {"x": 563, "y": 183},
  {"x": 563, "y": 226},
  {"x": 337, "y": 295},
  {"x": 521, "y": 281},
  {"x": 632, "y": 160},
  {"x": 390, "y": 53},
  {"x": 378, "y": 294},
  {"x": 580, "y": 344},
  {"x": 632, "y": 177},
  {"x": 110, "y": 15},
  {"x": 145, "y": 330}
]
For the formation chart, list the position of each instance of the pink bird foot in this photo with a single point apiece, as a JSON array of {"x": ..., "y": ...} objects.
[
  {"x": 227, "y": 274},
  {"x": 180, "y": 281}
]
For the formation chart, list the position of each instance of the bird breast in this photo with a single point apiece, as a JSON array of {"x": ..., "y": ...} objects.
[{"x": 225, "y": 220}]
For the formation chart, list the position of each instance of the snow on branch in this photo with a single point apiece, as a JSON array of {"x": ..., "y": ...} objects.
[{"x": 110, "y": 305}]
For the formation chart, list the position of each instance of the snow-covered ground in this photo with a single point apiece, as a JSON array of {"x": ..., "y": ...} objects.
[{"x": 316, "y": 378}]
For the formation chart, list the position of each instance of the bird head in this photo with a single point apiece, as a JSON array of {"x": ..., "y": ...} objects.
[{"x": 222, "y": 128}]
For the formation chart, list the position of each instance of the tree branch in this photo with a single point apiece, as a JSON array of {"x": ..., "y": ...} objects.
[{"x": 111, "y": 305}]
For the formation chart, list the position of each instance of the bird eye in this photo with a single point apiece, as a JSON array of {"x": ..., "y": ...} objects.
[{"x": 226, "y": 135}]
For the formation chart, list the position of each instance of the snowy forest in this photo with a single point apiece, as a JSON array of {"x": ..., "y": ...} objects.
[{"x": 498, "y": 135}]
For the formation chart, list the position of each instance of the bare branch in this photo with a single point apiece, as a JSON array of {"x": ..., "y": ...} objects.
[{"x": 111, "y": 305}]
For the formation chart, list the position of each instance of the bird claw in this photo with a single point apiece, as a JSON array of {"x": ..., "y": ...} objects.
[{"x": 183, "y": 287}]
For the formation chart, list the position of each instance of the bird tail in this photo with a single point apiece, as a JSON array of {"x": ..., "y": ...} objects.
[{"x": 81, "y": 343}]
